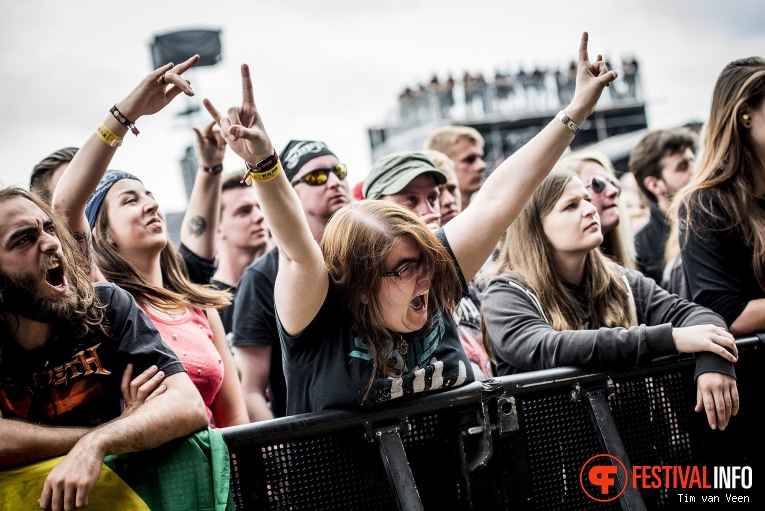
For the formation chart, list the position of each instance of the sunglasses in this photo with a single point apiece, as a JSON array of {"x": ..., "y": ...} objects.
[
  {"x": 318, "y": 177},
  {"x": 599, "y": 183},
  {"x": 407, "y": 272}
]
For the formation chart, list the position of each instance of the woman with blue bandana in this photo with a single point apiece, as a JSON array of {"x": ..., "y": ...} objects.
[{"x": 131, "y": 247}]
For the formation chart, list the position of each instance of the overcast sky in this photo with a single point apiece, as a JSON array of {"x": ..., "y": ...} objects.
[{"x": 330, "y": 69}]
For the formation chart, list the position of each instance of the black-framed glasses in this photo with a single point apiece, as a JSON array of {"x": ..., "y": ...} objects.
[
  {"x": 318, "y": 177},
  {"x": 599, "y": 183},
  {"x": 407, "y": 272}
]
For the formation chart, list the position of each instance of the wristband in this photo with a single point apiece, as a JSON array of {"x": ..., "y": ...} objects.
[
  {"x": 124, "y": 120},
  {"x": 565, "y": 119},
  {"x": 214, "y": 169},
  {"x": 265, "y": 164},
  {"x": 262, "y": 177},
  {"x": 108, "y": 136}
]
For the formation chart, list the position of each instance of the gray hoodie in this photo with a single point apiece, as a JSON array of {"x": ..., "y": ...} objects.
[{"x": 523, "y": 340}]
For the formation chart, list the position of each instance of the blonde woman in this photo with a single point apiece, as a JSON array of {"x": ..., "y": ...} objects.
[{"x": 558, "y": 301}]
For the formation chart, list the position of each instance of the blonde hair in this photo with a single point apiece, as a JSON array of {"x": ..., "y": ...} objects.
[
  {"x": 528, "y": 254},
  {"x": 619, "y": 242},
  {"x": 356, "y": 244},
  {"x": 444, "y": 138},
  {"x": 729, "y": 168},
  {"x": 440, "y": 160}
]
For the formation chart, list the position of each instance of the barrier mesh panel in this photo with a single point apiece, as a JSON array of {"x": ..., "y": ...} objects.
[
  {"x": 341, "y": 470},
  {"x": 652, "y": 416},
  {"x": 559, "y": 439}
]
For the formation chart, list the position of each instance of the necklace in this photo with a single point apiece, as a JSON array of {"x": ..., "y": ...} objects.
[{"x": 401, "y": 345}]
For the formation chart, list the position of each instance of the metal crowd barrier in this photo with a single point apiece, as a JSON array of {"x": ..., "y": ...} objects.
[{"x": 516, "y": 442}]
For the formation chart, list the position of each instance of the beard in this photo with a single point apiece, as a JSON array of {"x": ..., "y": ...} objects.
[{"x": 21, "y": 296}]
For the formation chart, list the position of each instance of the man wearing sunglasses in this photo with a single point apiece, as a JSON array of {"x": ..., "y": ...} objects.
[
  {"x": 319, "y": 179},
  {"x": 662, "y": 162}
]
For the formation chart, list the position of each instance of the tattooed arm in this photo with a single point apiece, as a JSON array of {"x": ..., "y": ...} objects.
[{"x": 200, "y": 223}]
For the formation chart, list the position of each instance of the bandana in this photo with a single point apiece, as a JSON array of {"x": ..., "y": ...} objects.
[
  {"x": 299, "y": 152},
  {"x": 97, "y": 198}
]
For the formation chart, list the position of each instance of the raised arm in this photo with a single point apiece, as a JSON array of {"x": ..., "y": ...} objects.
[
  {"x": 302, "y": 271},
  {"x": 474, "y": 233},
  {"x": 87, "y": 168},
  {"x": 200, "y": 223}
]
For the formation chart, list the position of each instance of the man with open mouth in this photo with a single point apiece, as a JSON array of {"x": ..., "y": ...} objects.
[{"x": 69, "y": 351}]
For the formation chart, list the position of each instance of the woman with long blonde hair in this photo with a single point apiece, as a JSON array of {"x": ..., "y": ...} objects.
[
  {"x": 558, "y": 301},
  {"x": 721, "y": 213}
]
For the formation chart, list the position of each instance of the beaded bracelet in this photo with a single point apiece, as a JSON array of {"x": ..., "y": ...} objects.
[
  {"x": 264, "y": 176},
  {"x": 108, "y": 136},
  {"x": 214, "y": 169},
  {"x": 124, "y": 120}
]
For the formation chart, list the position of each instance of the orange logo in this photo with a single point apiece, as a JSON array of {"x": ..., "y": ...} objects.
[{"x": 601, "y": 483}]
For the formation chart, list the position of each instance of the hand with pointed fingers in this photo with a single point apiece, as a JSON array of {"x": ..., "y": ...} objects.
[
  {"x": 711, "y": 338},
  {"x": 591, "y": 78},
  {"x": 717, "y": 395},
  {"x": 242, "y": 127},
  {"x": 157, "y": 90},
  {"x": 142, "y": 388},
  {"x": 211, "y": 146}
]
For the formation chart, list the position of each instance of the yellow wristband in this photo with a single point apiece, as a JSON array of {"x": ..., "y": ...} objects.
[
  {"x": 265, "y": 176},
  {"x": 108, "y": 136}
]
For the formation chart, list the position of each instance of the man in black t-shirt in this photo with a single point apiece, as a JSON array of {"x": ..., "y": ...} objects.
[
  {"x": 319, "y": 181},
  {"x": 242, "y": 238},
  {"x": 67, "y": 355}
]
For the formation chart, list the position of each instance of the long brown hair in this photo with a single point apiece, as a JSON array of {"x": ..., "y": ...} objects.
[
  {"x": 527, "y": 253},
  {"x": 178, "y": 291},
  {"x": 619, "y": 242},
  {"x": 356, "y": 244},
  {"x": 87, "y": 317},
  {"x": 730, "y": 170}
]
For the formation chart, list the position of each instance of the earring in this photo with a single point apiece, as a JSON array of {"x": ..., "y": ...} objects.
[{"x": 745, "y": 117}]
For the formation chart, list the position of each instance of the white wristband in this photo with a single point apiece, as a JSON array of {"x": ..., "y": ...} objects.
[{"x": 565, "y": 119}]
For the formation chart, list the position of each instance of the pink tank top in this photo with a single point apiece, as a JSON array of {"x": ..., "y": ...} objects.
[{"x": 191, "y": 338}]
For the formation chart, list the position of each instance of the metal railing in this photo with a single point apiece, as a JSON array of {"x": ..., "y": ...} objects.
[{"x": 515, "y": 442}]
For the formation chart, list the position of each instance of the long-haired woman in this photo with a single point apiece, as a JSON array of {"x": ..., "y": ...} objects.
[
  {"x": 558, "y": 301},
  {"x": 722, "y": 211},
  {"x": 367, "y": 317},
  {"x": 598, "y": 174},
  {"x": 131, "y": 248}
]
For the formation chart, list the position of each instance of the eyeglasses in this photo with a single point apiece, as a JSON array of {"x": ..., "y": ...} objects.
[
  {"x": 407, "y": 272},
  {"x": 599, "y": 183},
  {"x": 318, "y": 177}
]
